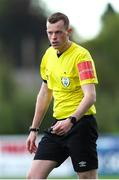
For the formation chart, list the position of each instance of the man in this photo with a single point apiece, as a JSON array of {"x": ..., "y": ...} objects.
[{"x": 69, "y": 77}]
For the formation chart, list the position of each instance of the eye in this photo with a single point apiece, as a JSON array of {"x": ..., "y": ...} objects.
[
  {"x": 49, "y": 32},
  {"x": 59, "y": 32}
]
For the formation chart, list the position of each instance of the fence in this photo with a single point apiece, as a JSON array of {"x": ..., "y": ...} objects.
[{"x": 15, "y": 160}]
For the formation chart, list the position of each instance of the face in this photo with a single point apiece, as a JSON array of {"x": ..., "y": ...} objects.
[{"x": 57, "y": 35}]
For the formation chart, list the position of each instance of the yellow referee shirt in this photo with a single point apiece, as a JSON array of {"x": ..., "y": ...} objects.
[{"x": 65, "y": 75}]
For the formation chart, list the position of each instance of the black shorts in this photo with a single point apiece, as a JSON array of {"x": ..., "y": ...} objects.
[{"x": 79, "y": 143}]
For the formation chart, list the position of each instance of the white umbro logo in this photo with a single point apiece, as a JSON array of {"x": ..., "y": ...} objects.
[{"x": 82, "y": 164}]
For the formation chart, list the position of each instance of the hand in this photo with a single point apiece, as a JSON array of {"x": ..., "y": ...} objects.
[
  {"x": 62, "y": 127},
  {"x": 30, "y": 142}
]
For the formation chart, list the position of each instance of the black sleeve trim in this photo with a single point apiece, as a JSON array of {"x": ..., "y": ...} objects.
[{"x": 45, "y": 81}]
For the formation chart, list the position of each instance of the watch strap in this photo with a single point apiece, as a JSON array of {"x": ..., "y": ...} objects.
[{"x": 33, "y": 129}]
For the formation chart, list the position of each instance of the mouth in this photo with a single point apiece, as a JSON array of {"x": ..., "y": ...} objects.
[{"x": 55, "y": 44}]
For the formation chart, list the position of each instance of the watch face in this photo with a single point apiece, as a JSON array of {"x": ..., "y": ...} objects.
[{"x": 73, "y": 120}]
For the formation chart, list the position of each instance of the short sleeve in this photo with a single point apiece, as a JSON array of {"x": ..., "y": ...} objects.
[
  {"x": 86, "y": 68},
  {"x": 43, "y": 68}
]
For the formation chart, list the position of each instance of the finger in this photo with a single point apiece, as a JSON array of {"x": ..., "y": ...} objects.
[
  {"x": 34, "y": 150},
  {"x": 55, "y": 131},
  {"x": 31, "y": 146},
  {"x": 34, "y": 146},
  {"x": 28, "y": 145},
  {"x": 56, "y": 128},
  {"x": 60, "y": 133},
  {"x": 55, "y": 125}
]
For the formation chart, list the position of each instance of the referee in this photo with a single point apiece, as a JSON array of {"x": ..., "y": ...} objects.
[{"x": 69, "y": 78}]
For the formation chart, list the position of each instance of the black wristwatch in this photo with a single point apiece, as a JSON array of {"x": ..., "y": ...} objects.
[
  {"x": 73, "y": 120},
  {"x": 33, "y": 129}
]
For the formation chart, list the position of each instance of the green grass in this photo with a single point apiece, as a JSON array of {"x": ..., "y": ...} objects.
[
  {"x": 109, "y": 177},
  {"x": 73, "y": 177}
]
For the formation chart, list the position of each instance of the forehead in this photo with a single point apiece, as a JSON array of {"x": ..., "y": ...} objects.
[{"x": 59, "y": 25}]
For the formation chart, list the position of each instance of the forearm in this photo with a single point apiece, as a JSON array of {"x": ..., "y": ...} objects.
[
  {"x": 43, "y": 100},
  {"x": 85, "y": 104},
  {"x": 88, "y": 100}
]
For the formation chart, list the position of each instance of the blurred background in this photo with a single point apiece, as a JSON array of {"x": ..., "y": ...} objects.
[{"x": 23, "y": 41}]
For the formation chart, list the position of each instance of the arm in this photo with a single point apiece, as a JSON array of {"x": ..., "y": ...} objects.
[
  {"x": 42, "y": 103},
  {"x": 88, "y": 100},
  {"x": 43, "y": 100}
]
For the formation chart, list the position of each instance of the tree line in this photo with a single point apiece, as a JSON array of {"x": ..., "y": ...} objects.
[{"x": 22, "y": 42}]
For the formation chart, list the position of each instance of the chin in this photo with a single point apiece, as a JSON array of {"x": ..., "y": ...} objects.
[{"x": 55, "y": 47}]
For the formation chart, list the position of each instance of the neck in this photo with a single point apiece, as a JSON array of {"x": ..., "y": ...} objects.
[{"x": 64, "y": 47}]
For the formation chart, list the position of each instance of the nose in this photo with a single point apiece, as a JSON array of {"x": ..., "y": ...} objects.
[{"x": 54, "y": 36}]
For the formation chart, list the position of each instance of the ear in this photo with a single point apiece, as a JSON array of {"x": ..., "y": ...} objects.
[{"x": 69, "y": 30}]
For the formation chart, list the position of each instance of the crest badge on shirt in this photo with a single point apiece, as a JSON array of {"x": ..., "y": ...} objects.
[{"x": 65, "y": 81}]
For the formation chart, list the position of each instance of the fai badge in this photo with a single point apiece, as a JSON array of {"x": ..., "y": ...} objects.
[{"x": 65, "y": 81}]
